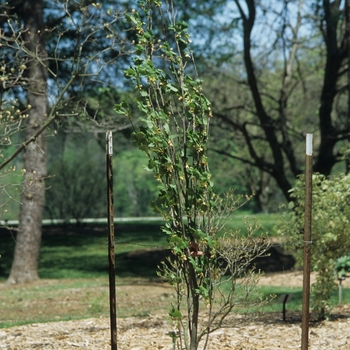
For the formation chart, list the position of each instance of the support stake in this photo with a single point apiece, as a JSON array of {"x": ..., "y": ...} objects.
[
  {"x": 111, "y": 254},
  {"x": 307, "y": 245}
]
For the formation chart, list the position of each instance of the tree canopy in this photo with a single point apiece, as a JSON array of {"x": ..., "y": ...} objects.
[{"x": 284, "y": 75}]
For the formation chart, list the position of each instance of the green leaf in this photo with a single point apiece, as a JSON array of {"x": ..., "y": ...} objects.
[
  {"x": 166, "y": 128},
  {"x": 139, "y": 49},
  {"x": 143, "y": 93},
  {"x": 178, "y": 241},
  {"x": 182, "y": 44},
  {"x": 198, "y": 234},
  {"x": 175, "y": 313},
  {"x": 138, "y": 61},
  {"x": 129, "y": 73},
  {"x": 209, "y": 241},
  {"x": 122, "y": 108},
  {"x": 148, "y": 35},
  {"x": 171, "y": 87},
  {"x": 131, "y": 18},
  {"x": 180, "y": 26},
  {"x": 152, "y": 164}
]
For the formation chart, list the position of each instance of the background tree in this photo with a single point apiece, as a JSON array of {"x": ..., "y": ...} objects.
[
  {"x": 76, "y": 175},
  {"x": 278, "y": 72},
  {"x": 25, "y": 264},
  {"x": 76, "y": 189},
  {"x": 46, "y": 65}
]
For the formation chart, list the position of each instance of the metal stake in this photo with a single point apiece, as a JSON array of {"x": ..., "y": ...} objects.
[
  {"x": 111, "y": 255},
  {"x": 307, "y": 245}
]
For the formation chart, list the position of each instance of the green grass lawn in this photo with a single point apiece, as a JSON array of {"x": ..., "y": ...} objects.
[
  {"x": 295, "y": 303},
  {"x": 275, "y": 294},
  {"x": 68, "y": 299},
  {"x": 266, "y": 222},
  {"x": 74, "y": 268},
  {"x": 80, "y": 252}
]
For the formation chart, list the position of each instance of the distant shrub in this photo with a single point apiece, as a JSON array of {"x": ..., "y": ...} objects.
[
  {"x": 330, "y": 231},
  {"x": 75, "y": 190},
  {"x": 342, "y": 266}
]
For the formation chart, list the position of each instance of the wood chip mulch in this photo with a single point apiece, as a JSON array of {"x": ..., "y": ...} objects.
[{"x": 151, "y": 333}]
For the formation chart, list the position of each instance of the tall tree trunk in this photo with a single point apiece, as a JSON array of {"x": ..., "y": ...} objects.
[
  {"x": 28, "y": 240},
  {"x": 336, "y": 54},
  {"x": 347, "y": 9},
  {"x": 276, "y": 168}
]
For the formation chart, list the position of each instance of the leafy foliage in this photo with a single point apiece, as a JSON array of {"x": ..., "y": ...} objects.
[
  {"x": 174, "y": 136},
  {"x": 133, "y": 193},
  {"x": 75, "y": 190},
  {"x": 330, "y": 233},
  {"x": 342, "y": 266}
]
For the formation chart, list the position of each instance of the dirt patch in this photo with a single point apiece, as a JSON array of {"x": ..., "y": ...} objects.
[{"x": 293, "y": 278}]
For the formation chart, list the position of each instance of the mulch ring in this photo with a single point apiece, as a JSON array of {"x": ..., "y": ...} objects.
[{"x": 266, "y": 332}]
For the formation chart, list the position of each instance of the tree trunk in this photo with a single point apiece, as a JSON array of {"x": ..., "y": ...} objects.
[
  {"x": 277, "y": 167},
  {"x": 347, "y": 9},
  {"x": 336, "y": 54},
  {"x": 195, "y": 311},
  {"x": 28, "y": 240}
]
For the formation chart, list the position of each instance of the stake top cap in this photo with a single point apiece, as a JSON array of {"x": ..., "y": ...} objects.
[
  {"x": 109, "y": 145},
  {"x": 309, "y": 144}
]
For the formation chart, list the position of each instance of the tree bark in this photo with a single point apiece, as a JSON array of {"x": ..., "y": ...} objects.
[
  {"x": 336, "y": 54},
  {"x": 347, "y": 17},
  {"x": 277, "y": 167},
  {"x": 276, "y": 131},
  {"x": 26, "y": 256}
]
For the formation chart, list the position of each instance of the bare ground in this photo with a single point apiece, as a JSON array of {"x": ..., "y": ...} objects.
[{"x": 150, "y": 332}]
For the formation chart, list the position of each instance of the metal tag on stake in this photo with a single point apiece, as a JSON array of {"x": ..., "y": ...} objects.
[
  {"x": 109, "y": 142},
  {"x": 309, "y": 144}
]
